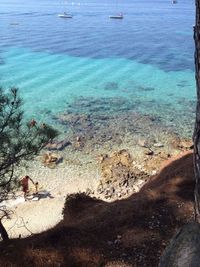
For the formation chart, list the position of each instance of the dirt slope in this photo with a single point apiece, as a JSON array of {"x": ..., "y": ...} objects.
[{"x": 129, "y": 232}]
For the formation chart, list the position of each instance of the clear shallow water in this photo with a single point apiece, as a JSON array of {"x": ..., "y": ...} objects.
[{"x": 147, "y": 58}]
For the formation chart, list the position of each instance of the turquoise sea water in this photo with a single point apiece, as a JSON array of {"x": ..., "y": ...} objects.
[{"x": 147, "y": 58}]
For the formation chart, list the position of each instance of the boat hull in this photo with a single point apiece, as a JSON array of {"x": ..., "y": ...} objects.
[
  {"x": 116, "y": 17},
  {"x": 65, "y": 16}
]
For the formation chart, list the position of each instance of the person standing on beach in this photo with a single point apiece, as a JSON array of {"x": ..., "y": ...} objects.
[{"x": 25, "y": 186}]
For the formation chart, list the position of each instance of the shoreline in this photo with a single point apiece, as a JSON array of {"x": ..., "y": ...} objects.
[{"x": 82, "y": 169}]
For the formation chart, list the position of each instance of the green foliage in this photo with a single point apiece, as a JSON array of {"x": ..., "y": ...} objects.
[{"x": 18, "y": 141}]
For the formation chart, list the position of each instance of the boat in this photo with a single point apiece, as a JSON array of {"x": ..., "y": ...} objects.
[
  {"x": 65, "y": 15},
  {"x": 118, "y": 16},
  {"x": 174, "y": 1}
]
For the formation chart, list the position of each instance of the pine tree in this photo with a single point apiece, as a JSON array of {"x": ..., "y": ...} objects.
[{"x": 18, "y": 141}]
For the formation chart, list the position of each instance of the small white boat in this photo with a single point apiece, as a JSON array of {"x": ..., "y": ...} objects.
[
  {"x": 65, "y": 16},
  {"x": 118, "y": 16}
]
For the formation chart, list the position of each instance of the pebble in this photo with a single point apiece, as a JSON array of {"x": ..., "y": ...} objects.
[
  {"x": 158, "y": 145},
  {"x": 136, "y": 188},
  {"x": 140, "y": 182},
  {"x": 142, "y": 143},
  {"x": 149, "y": 153}
]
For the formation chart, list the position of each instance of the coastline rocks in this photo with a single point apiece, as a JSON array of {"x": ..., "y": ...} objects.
[
  {"x": 107, "y": 122},
  {"x": 118, "y": 175},
  {"x": 116, "y": 165}
]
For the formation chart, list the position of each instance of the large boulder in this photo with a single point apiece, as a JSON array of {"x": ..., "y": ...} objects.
[
  {"x": 184, "y": 248},
  {"x": 117, "y": 166},
  {"x": 118, "y": 175}
]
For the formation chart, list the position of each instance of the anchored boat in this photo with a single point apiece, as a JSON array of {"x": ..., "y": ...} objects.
[
  {"x": 65, "y": 15},
  {"x": 118, "y": 16}
]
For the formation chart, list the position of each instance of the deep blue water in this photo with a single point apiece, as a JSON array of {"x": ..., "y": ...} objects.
[{"x": 147, "y": 56}]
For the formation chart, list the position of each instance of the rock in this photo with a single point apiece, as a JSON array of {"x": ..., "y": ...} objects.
[
  {"x": 183, "y": 250},
  {"x": 139, "y": 182},
  {"x": 112, "y": 190},
  {"x": 102, "y": 157},
  {"x": 154, "y": 172},
  {"x": 58, "y": 145},
  {"x": 142, "y": 143},
  {"x": 117, "y": 164},
  {"x": 158, "y": 145},
  {"x": 149, "y": 152},
  {"x": 136, "y": 188},
  {"x": 80, "y": 141},
  {"x": 117, "y": 241},
  {"x": 110, "y": 243},
  {"x": 51, "y": 159},
  {"x": 119, "y": 175},
  {"x": 35, "y": 199},
  {"x": 186, "y": 144},
  {"x": 88, "y": 191}
]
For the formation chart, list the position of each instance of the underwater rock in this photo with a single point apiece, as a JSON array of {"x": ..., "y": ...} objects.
[
  {"x": 107, "y": 122},
  {"x": 2, "y": 61},
  {"x": 79, "y": 143},
  {"x": 111, "y": 86},
  {"x": 143, "y": 143},
  {"x": 145, "y": 89},
  {"x": 158, "y": 145},
  {"x": 58, "y": 145}
]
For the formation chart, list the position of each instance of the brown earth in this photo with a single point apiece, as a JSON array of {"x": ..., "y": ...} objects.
[{"x": 129, "y": 232}]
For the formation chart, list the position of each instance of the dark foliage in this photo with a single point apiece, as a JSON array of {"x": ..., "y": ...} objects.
[{"x": 18, "y": 140}]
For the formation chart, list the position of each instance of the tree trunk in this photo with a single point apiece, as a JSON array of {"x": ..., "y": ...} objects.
[
  {"x": 3, "y": 232},
  {"x": 183, "y": 250},
  {"x": 196, "y": 136}
]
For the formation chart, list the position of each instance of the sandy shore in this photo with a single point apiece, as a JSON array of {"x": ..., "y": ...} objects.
[{"x": 30, "y": 216}]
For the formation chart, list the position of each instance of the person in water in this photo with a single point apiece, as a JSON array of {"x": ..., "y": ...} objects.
[{"x": 25, "y": 184}]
